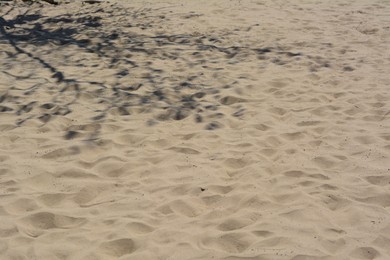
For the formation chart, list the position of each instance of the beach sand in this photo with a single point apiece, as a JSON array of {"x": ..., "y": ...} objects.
[{"x": 195, "y": 130}]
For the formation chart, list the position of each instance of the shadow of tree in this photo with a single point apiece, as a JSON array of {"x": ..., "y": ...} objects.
[{"x": 131, "y": 54}]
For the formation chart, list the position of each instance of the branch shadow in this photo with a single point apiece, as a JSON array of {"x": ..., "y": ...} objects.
[{"x": 187, "y": 95}]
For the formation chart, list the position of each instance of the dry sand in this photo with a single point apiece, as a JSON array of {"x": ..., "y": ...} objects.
[{"x": 195, "y": 130}]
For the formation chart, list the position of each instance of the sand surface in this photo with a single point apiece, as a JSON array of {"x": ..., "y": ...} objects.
[{"x": 195, "y": 130}]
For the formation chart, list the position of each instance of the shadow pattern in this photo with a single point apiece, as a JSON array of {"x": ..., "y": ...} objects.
[{"x": 139, "y": 57}]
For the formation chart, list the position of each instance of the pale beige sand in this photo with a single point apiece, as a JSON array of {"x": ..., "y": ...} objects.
[{"x": 260, "y": 131}]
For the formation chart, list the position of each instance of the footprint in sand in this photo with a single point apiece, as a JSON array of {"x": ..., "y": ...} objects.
[{"x": 119, "y": 247}]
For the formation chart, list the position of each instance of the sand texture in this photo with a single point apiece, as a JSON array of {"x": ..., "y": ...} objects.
[{"x": 173, "y": 130}]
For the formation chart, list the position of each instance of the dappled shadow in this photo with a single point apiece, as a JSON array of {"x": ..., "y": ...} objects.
[{"x": 131, "y": 46}]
